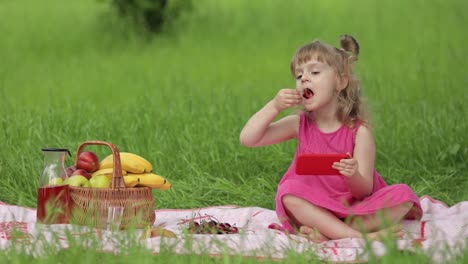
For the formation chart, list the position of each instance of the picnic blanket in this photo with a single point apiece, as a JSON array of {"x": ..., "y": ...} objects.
[{"x": 441, "y": 233}]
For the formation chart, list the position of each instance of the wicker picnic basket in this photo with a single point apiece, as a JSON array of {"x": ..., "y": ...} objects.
[{"x": 89, "y": 205}]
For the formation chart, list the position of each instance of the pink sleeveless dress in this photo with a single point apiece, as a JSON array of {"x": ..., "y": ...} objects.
[{"x": 331, "y": 192}]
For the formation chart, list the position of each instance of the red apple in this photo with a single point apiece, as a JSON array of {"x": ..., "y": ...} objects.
[
  {"x": 70, "y": 171},
  {"x": 82, "y": 172},
  {"x": 88, "y": 161}
]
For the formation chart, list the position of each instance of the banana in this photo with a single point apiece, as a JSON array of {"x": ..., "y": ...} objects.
[
  {"x": 130, "y": 163},
  {"x": 148, "y": 179},
  {"x": 147, "y": 165},
  {"x": 108, "y": 172},
  {"x": 129, "y": 181},
  {"x": 166, "y": 186}
]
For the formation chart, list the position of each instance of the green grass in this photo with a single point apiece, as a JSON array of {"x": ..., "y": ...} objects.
[{"x": 70, "y": 73}]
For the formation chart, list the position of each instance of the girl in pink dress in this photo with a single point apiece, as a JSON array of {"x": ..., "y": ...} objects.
[{"x": 356, "y": 202}]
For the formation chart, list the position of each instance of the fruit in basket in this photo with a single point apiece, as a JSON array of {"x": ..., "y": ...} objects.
[
  {"x": 166, "y": 186},
  {"x": 70, "y": 170},
  {"x": 108, "y": 172},
  {"x": 77, "y": 181},
  {"x": 82, "y": 172},
  {"x": 148, "y": 167},
  {"x": 100, "y": 181},
  {"x": 88, "y": 161},
  {"x": 130, "y": 181},
  {"x": 148, "y": 179},
  {"x": 55, "y": 181},
  {"x": 130, "y": 162}
]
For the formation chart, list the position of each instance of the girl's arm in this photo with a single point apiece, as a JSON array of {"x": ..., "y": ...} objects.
[
  {"x": 260, "y": 130},
  {"x": 358, "y": 171}
]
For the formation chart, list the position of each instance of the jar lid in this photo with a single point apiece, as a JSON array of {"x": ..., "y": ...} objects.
[{"x": 57, "y": 150}]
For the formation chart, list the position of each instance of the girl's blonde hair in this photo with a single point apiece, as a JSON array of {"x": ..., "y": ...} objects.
[{"x": 351, "y": 106}]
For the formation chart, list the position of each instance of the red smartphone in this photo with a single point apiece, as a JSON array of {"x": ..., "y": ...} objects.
[{"x": 318, "y": 164}]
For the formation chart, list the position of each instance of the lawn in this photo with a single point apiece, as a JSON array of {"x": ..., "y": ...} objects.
[{"x": 70, "y": 72}]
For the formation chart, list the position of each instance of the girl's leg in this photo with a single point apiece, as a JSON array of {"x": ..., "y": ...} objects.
[
  {"x": 312, "y": 233},
  {"x": 384, "y": 218},
  {"x": 303, "y": 213}
]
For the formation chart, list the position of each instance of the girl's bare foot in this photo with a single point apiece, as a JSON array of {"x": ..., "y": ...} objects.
[
  {"x": 392, "y": 232},
  {"x": 312, "y": 234}
]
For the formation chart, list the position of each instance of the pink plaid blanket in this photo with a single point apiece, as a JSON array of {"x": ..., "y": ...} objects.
[{"x": 442, "y": 234}]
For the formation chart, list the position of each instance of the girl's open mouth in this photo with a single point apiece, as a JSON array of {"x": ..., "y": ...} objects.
[{"x": 307, "y": 93}]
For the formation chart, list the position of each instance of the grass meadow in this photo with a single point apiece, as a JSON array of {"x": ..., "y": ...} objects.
[{"x": 71, "y": 72}]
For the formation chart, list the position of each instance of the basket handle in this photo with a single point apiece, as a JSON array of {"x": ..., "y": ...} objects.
[{"x": 117, "y": 178}]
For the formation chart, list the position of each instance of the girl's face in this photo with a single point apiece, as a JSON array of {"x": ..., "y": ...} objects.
[{"x": 317, "y": 82}]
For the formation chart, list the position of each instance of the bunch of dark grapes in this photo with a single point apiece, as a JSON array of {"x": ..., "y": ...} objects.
[{"x": 211, "y": 227}]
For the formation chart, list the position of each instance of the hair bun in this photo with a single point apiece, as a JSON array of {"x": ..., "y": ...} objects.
[{"x": 348, "y": 43}]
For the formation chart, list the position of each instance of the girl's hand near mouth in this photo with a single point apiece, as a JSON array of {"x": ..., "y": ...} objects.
[{"x": 287, "y": 98}]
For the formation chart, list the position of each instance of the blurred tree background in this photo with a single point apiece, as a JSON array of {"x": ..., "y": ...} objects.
[{"x": 149, "y": 16}]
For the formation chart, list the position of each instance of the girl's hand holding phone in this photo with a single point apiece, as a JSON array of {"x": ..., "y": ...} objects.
[
  {"x": 286, "y": 98},
  {"x": 347, "y": 167}
]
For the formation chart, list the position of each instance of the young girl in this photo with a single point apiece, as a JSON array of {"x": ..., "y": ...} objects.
[{"x": 355, "y": 203}]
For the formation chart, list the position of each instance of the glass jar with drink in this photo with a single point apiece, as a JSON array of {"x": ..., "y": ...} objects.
[{"x": 53, "y": 199}]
